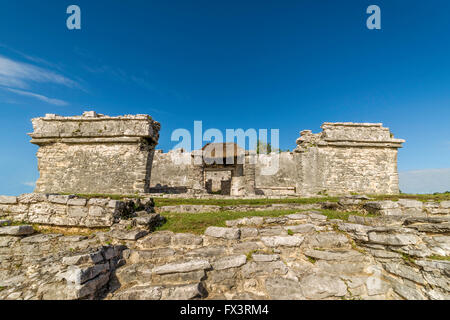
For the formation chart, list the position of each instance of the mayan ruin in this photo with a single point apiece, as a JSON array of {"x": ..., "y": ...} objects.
[
  {"x": 214, "y": 159},
  {"x": 303, "y": 250}
]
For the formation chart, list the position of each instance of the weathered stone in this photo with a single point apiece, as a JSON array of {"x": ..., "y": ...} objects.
[
  {"x": 8, "y": 200},
  {"x": 287, "y": 241},
  {"x": 187, "y": 292},
  {"x": 327, "y": 240},
  {"x": 358, "y": 231},
  {"x": 409, "y": 203},
  {"x": 301, "y": 228},
  {"x": 132, "y": 235},
  {"x": 22, "y": 230},
  {"x": 297, "y": 216},
  {"x": 394, "y": 239},
  {"x": 40, "y": 238},
  {"x": 143, "y": 292},
  {"x": 75, "y": 151},
  {"x": 224, "y": 233},
  {"x": 405, "y": 271},
  {"x": 187, "y": 239},
  {"x": 253, "y": 221},
  {"x": 246, "y": 247},
  {"x": 265, "y": 257},
  {"x": 432, "y": 227},
  {"x": 158, "y": 239},
  {"x": 229, "y": 262},
  {"x": 272, "y": 231},
  {"x": 77, "y": 202},
  {"x": 315, "y": 216},
  {"x": 254, "y": 269},
  {"x": 408, "y": 292},
  {"x": 61, "y": 199},
  {"x": 179, "y": 278},
  {"x": 283, "y": 289},
  {"x": 249, "y": 232},
  {"x": 82, "y": 274},
  {"x": 93, "y": 257},
  {"x": 320, "y": 286},
  {"x": 342, "y": 255},
  {"x": 207, "y": 252},
  {"x": 182, "y": 267}
]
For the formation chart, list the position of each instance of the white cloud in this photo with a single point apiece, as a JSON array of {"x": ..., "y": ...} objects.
[
  {"x": 30, "y": 184},
  {"x": 425, "y": 181},
  {"x": 55, "y": 102},
  {"x": 19, "y": 74}
]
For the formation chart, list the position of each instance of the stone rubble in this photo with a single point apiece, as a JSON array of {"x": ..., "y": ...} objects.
[{"x": 295, "y": 257}]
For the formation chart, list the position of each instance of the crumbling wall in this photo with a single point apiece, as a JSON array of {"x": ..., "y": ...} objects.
[
  {"x": 283, "y": 180},
  {"x": 64, "y": 210},
  {"x": 173, "y": 172},
  {"x": 94, "y": 153},
  {"x": 347, "y": 158}
]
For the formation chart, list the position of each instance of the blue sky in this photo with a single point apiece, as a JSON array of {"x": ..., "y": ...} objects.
[{"x": 289, "y": 65}]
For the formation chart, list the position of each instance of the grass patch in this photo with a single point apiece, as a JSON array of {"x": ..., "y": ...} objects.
[
  {"x": 159, "y": 202},
  {"x": 441, "y": 258},
  {"x": 332, "y": 214},
  {"x": 445, "y": 196},
  {"x": 198, "y": 222},
  {"x": 407, "y": 258},
  {"x": 67, "y": 231},
  {"x": 311, "y": 259},
  {"x": 290, "y": 232}
]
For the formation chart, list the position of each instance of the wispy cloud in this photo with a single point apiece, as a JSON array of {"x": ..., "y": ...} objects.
[
  {"x": 19, "y": 75},
  {"x": 29, "y": 183},
  {"x": 43, "y": 98},
  {"x": 425, "y": 181}
]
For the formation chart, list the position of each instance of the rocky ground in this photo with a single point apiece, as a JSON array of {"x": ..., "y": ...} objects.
[{"x": 391, "y": 255}]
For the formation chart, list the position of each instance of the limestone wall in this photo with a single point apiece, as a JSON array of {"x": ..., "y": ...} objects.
[
  {"x": 94, "y": 153},
  {"x": 281, "y": 182},
  {"x": 63, "y": 210},
  {"x": 173, "y": 172},
  {"x": 346, "y": 158}
]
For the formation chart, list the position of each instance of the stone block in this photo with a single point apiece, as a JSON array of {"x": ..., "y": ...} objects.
[
  {"x": 282, "y": 241},
  {"x": 224, "y": 233},
  {"x": 182, "y": 267},
  {"x": 229, "y": 262},
  {"x": 8, "y": 200},
  {"x": 23, "y": 230}
]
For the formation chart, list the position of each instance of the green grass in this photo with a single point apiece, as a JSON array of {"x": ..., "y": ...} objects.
[
  {"x": 198, "y": 222},
  {"x": 311, "y": 259},
  {"x": 231, "y": 202},
  {"x": 442, "y": 258},
  {"x": 445, "y": 196},
  {"x": 332, "y": 214},
  {"x": 105, "y": 196},
  {"x": 264, "y": 201}
]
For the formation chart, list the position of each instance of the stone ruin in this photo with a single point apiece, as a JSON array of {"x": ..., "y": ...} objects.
[
  {"x": 384, "y": 250},
  {"x": 94, "y": 153},
  {"x": 344, "y": 158}
]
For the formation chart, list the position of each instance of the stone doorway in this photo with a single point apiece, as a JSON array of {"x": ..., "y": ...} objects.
[{"x": 218, "y": 181}]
